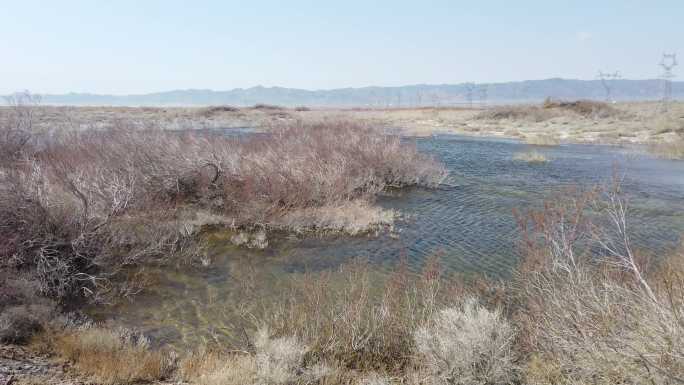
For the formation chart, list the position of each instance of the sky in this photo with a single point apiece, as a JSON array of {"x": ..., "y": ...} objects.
[{"x": 142, "y": 46}]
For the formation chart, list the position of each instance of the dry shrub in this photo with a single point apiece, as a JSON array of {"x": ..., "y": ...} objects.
[
  {"x": 467, "y": 345},
  {"x": 585, "y": 108},
  {"x": 17, "y": 290},
  {"x": 80, "y": 207},
  {"x": 374, "y": 379},
  {"x": 587, "y": 310},
  {"x": 313, "y": 165},
  {"x": 354, "y": 317},
  {"x": 550, "y": 109},
  {"x": 17, "y": 124},
  {"x": 215, "y": 110},
  {"x": 278, "y": 360},
  {"x": 19, "y": 323},
  {"x": 599, "y": 329},
  {"x": 264, "y": 106},
  {"x": 113, "y": 356},
  {"x": 274, "y": 361}
]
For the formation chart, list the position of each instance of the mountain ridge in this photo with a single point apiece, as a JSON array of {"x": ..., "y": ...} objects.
[{"x": 381, "y": 96}]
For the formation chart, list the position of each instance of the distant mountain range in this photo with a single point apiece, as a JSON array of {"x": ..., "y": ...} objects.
[{"x": 404, "y": 96}]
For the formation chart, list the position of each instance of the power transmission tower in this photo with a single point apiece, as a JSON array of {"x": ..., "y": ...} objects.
[
  {"x": 606, "y": 80},
  {"x": 435, "y": 99},
  {"x": 668, "y": 62},
  {"x": 483, "y": 95},
  {"x": 470, "y": 87}
]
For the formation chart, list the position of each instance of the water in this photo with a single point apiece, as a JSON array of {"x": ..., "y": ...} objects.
[{"x": 468, "y": 222}]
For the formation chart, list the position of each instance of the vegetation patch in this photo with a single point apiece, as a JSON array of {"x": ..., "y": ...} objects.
[
  {"x": 542, "y": 140},
  {"x": 109, "y": 356},
  {"x": 77, "y": 208},
  {"x": 531, "y": 157},
  {"x": 523, "y": 112},
  {"x": 586, "y": 108},
  {"x": 671, "y": 150}
]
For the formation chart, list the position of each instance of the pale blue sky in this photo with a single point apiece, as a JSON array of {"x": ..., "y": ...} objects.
[{"x": 129, "y": 46}]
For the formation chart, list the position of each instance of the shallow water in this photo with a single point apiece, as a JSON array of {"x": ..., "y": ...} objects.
[{"x": 468, "y": 222}]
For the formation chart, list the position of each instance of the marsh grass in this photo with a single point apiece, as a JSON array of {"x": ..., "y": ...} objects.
[
  {"x": 550, "y": 109},
  {"x": 541, "y": 139},
  {"x": 586, "y": 108},
  {"x": 531, "y": 157},
  {"x": 525, "y": 113},
  {"x": 670, "y": 150}
]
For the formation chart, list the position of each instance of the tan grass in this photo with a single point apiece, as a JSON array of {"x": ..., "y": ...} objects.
[
  {"x": 531, "y": 157},
  {"x": 542, "y": 140},
  {"x": 112, "y": 356},
  {"x": 212, "y": 368},
  {"x": 670, "y": 150},
  {"x": 352, "y": 217}
]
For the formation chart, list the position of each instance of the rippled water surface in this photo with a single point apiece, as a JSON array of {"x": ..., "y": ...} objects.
[{"x": 469, "y": 222}]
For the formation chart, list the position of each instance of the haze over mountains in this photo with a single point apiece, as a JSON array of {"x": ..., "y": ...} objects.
[{"x": 404, "y": 96}]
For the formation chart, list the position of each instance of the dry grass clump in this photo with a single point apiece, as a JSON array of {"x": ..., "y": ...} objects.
[
  {"x": 525, "y": 113},
  {"x": 550, "y": 109},
  {"x": 263, "y": 106},
  {"x": 113, "y": 356},
  {"x": 215, "y": 110},
  {"x": 542, "y": 140},
  {"x": 22, "y": 311},
  {"x": 350, "y": 217},
  {"x": 278, "y": 359},
  {"x": 531, "y": 157},
  {"x": 374, "y": 379},
  {"x": 19, "y": 323},
  {"x": 585, "y": 108},
  {"x": 273, "y": 361},
  {"x": 468, "y": 344},
  {"x": 670, "y": 150},
  {"x": 219, "y": 369}
]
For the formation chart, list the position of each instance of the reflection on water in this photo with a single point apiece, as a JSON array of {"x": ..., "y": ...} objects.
[{"x": 468, "y": 222}]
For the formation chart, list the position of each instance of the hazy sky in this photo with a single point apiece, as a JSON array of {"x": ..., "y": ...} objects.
[{"x": 146, "y": 46}]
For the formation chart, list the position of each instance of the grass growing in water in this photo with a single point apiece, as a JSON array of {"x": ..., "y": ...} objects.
[
  {"x": 531, "y": 157},
  {"x": 670, "y": 150},
  {"x": 542, "y": 140}
]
